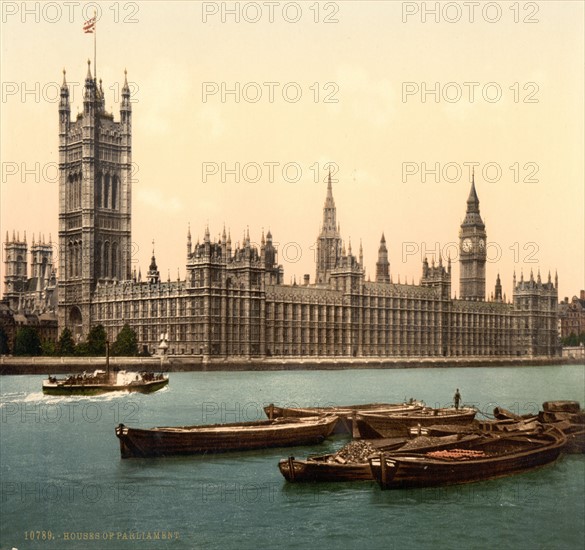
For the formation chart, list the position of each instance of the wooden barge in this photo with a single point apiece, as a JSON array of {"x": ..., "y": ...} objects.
[
  {"x": 219, "y": 438},
  {"x": 490, "y": 457},
  {"x": 346, "y": 413},
  {"x": 336, "y": 467},
  {"x": 372, "y": 425}
]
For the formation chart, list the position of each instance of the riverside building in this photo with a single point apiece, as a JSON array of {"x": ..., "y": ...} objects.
[{"x": 233, "y": 302}]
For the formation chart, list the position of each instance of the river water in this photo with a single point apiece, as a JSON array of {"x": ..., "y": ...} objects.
[{"x": 64, "y": 485}]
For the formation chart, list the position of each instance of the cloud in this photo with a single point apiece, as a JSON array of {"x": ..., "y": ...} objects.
[{"x": 157, "y": 199}]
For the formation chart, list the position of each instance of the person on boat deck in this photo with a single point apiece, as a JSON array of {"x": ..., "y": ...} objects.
[{"x": 457, "y": 398}]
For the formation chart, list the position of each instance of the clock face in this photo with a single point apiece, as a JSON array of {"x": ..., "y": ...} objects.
[
  {"x": 466, "y": 245},
  {"x": 481, "y": 244}
]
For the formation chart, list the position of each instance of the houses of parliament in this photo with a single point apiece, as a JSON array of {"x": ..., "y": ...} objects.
[{"x": 233, "y": 302}]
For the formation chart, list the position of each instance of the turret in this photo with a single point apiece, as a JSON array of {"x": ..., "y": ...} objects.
[
  {"x": 126, "y": 106},
  {"x": 15, "y": 267},
  {"x": 436, "y": 276},
  {"x": 100, "y": 98},
  {"x": 89, "y": 92},
  {"x": 498, "y": 289},
  {"x": 153, "y": 276},
  {"x": 64, "y": 107},
  {"x": 189, "y": 244}
]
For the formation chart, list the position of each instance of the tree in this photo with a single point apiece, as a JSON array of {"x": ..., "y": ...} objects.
[
  {"x": 27, "y": 342},
  {"x": 82, "y": 350},
  {"x": 65, "y": 345},
  {"x": 126, "y": 342},
  {"x": 4, "y": 347},
  {"x": 573, "y": 339},
  {"x": 96, "y": 341},
  {"x": 570, "y": 340},
  {"x": 48, "y": 347}
]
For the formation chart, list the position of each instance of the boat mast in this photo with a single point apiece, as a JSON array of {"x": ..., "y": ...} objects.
[{"x": 108, "y": 359}]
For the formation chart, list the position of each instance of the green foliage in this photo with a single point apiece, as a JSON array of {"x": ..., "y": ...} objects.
[
  {"x": 4, "y": 347},
  {"x": 126, "y": 343},
  {"x": 573, "y": 339},
  {"x": 27, "y": 342},
  {"x": 96, "y": 341},
  {"x": 66, "y": 345},
  {"x": 82, "y": 349},
  {"x": 48, "y": 347}
]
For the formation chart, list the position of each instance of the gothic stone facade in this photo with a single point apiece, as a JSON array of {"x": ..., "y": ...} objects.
[
  {"x": 94, "y": 201},
  {"x": 29, "y": 300},
  {"x": 233, "y": 302}
]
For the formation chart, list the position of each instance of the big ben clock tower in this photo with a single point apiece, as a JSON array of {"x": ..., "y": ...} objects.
[{"x": 472, "y": 250}]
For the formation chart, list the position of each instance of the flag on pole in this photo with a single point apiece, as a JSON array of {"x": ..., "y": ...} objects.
[{"x": 89, "y": 26}]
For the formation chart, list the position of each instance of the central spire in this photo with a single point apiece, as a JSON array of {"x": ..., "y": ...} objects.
[
  {"x": 329, "y": 211},
  {"x": 329, "y": 187},
  {"x": 329, "y": 240}
]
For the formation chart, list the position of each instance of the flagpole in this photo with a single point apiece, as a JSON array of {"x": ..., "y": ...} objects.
[{"x": 94, "y": 46}]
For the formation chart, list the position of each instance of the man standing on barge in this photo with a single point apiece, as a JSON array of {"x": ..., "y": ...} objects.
[{"x": 457, "y": 399}]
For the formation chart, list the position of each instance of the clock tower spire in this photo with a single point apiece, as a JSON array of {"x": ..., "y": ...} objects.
[{"x": 472, "y": 250}]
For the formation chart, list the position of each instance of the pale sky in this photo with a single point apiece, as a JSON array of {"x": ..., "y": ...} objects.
[{"x": 366, "y": 58}]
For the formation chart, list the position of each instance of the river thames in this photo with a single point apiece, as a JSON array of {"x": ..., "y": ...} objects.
[{"x": 64, "y": 485}]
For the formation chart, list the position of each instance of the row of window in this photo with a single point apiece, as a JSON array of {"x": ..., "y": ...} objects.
[
  {"x": 73, "y": 191},
  {"x": 107, "y": 260},
  {"x": 106, "y": 191},
  {"x": 108, "y": 154},
  {"x": 74, "y": 258}
]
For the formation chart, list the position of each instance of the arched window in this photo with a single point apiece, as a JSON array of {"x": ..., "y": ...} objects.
[
  {"x": 79, "y": 191},
  {"x": 98, "y": 260},
  {"x": 98, "y": 191},
  {"x": 69, "y": 192},
  {"x": 106, "y": 259},
  {"x": 74, "y": 192},
  {"x": 75, "y": 259},
  {"x": 114, "y": 192},
  {"x": 107, "y": 191},
  {"x": 115, "y": 260},
  {"x": 70, "y": 259}
]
